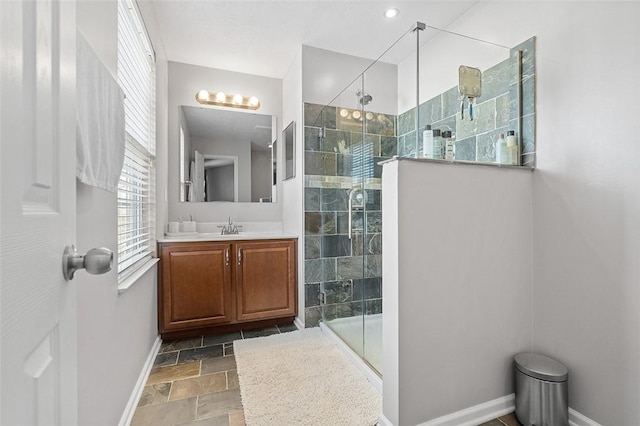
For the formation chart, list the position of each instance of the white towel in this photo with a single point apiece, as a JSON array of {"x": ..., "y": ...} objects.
[{"x": 100, "y": 121}]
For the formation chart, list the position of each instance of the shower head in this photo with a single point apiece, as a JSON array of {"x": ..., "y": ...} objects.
[{"x": 365, "y": 98}]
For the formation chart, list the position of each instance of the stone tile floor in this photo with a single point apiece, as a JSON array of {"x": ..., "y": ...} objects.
[
  {"x": 194, "y": 382},
  {"x": 508, "y": 420}
]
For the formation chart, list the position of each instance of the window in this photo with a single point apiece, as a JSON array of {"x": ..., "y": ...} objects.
[
  {"x": 362, "y": 162},
  {"x": 136, "y": 189}
]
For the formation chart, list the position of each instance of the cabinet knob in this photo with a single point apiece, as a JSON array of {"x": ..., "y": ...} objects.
[
  {"x": 239, "y": 256},
  {"x": 226, "y": 257}
]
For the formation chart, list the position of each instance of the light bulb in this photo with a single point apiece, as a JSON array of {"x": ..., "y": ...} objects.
[
  {"x": 203, "y": 94},
  {"x": 369, "y": 116},
  {"x": 343, "y": 113},
  {"x": 237, "y": 99},
  {"x": 253, "y": 101},
  {"x": 221, "y": 97},
  {"x": 356, "y": 114}
]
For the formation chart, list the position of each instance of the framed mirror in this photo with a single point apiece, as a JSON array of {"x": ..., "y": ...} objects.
[
  {"x": 226, "y": 155},
  {"x": 289, "y": 139}
]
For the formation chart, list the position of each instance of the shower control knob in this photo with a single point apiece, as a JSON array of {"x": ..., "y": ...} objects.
[{"x": 97, "y": 261}]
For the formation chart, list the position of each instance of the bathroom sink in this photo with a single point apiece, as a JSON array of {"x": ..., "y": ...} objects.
[{"x": 219, "y": 235}]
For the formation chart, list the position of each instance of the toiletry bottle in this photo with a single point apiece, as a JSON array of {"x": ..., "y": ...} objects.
[
  {"x": 501, "y": 150},
  {"x": 449, "y": 146},
  {"x": 513, "y": 153},
  {"x": 438, "y": 145},
  {"x": 427, "y": 142}
]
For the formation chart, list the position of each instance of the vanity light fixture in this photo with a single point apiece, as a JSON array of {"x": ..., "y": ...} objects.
[
  {"x": 221, "y": 99},
  {"x": 391, "y": 13}
]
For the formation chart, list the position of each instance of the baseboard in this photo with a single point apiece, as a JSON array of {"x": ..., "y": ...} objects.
[
  {"x": 355, "y": 359},
  {"x": 577, "y": 419},
  {"x": 471, "y": 416},
  {"x": 127, "y": 416},
  {"x": 477, "y": 414},
  {"x": 383, "y": 421},
  {"x": 298, "y": 323},
  {"x": 488, "y": 411}
]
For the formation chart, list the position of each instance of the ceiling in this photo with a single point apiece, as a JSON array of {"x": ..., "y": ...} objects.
[{"x": 263, "y": 37}]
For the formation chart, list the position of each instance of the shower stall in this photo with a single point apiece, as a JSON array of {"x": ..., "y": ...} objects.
[{"x": 378, "y": 115}]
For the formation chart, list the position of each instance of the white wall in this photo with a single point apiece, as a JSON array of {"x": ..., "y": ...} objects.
[
  {"x": 586, "y": 201},
  {"x": 326, "y": 74},
  {"x": 457, "y": 285},
  {"x": 232, "y": 148},
  {"x": 115, "y": 332},
  {"x": 220, "y": 183},
  {"x": 292, "y": 197},
  {"x": 261, "y": 171},
  {"x": 185, "y": 81},
  {"x": 439, "y": 62}
]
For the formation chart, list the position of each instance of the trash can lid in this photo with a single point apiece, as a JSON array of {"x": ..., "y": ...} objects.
[{"x": 541, "y": 367}]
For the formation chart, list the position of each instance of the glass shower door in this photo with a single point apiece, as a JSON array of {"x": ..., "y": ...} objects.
[
  {"x": 349, "y": 144},
  {"x": 344, "y": 200}
]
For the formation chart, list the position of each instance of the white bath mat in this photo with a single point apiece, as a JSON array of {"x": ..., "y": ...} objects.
[{"x": 300, "y": 378}]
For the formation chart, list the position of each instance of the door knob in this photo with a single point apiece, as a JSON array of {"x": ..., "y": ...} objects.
[{"x": 97, "y": 261}]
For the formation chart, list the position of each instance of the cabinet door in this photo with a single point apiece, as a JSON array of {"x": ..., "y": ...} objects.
[
  {"x": 265, "y": 279},
  {"x": 196, "y": 285}
]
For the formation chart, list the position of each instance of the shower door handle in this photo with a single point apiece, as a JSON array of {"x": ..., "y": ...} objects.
[{"x": 361, "y": 199}]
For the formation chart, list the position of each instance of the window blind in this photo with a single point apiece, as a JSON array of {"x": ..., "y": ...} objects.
[
  {"x": 136, "y": 189},
  {"x": 362, "y": 162}
]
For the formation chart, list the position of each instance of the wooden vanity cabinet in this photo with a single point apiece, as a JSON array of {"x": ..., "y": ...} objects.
[
  {"x": 195, "y": 285},
  {"x": 265, "y": 279},
  {"x": 213, "y": 284}
]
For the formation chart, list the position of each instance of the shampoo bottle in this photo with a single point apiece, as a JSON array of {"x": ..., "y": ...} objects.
[
  {"x": 449, "y": 146},
  {"x": 427, "y": 142},
  {"x": 501, "y": 150},
  {"x": 513, "y": 153},
  {"x": 438, "y": 143}
]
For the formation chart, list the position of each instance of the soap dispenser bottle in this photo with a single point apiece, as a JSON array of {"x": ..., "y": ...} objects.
[
  {"x": 513, "y": 153},
  {"x": 427, "y": 142},
  {"x": 438, "y": 145},
  {"x": 501, "y": 150}
]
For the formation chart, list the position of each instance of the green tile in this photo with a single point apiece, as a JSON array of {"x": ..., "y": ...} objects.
[
  {"x": 407, "y": 121},
  {"x": 484, "y": 120}
]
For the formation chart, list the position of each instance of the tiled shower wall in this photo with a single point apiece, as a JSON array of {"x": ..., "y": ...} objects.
[
  {"x": 349, "y": 271},
  {"x": 495, "y": 112}
]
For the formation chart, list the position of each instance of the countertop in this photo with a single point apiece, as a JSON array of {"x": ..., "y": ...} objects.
[{"x": 215, "y": 236}]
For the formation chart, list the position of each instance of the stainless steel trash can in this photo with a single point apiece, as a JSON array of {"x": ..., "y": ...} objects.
[{"x": 542, "y": 394}]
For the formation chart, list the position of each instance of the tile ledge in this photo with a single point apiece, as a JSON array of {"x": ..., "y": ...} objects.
[
  {"x": 456, "y": 163},
  {"x": 135, "y": 277}
]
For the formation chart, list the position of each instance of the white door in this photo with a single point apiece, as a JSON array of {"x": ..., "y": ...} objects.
[
  {"x": 198, "y": 178},
  {"x": 37, "y": 212}
]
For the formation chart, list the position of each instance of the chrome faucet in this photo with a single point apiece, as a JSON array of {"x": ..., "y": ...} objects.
[{"x": 230, "y": 228}]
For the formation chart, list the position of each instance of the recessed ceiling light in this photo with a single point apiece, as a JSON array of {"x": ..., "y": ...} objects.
[{"x": 391, "y": 13}]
